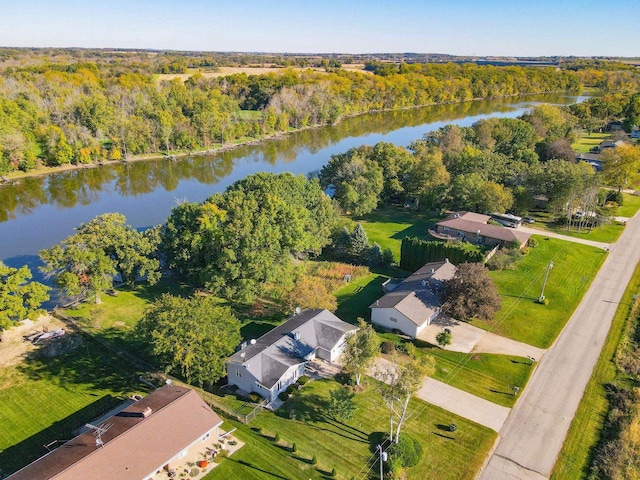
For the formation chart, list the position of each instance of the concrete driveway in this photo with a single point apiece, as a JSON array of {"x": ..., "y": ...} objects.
[
  {"x": 546, "y": 233},
  {"x": 466, "y": 338},
  {"x": 533, "y": 435}
]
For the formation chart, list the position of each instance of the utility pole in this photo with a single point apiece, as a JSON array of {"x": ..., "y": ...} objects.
[
  {"x": 383, "y": 458},
  {"x": 544, "y": 284}
]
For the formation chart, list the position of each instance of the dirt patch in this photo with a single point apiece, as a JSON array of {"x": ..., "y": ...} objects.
[
  {"x": 14, "y": 348},
  {"x": 60, "y": 346},
  {"x": 120, "y": 324}
]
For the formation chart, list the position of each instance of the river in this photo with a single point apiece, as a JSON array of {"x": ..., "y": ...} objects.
[{"x": 37, "y": 212}]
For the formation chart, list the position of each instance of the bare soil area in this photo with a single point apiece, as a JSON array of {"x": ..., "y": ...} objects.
[{"x": 14, "y": 348}]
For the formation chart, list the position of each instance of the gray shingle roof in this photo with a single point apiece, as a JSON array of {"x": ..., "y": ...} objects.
[{"x": 289, "y": 344}]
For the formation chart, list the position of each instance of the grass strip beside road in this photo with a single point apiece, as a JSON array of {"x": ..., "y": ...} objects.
[
  {"x": 584, "y": 433},
  {"x": 630, "y": 207}
]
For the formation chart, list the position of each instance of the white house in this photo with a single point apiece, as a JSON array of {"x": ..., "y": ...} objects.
[
  {"x": 274, "y": 361},
  {"x": 635, "y": 132},
  {"x": 415, "y": 302},
  {"x": 153, "y": 434}
]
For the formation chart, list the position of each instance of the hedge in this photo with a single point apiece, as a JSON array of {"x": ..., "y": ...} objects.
[{"x": 414, "y": 253}]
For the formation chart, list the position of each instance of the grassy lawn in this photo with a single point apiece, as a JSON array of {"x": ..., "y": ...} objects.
[
  {"x": 521, "y": 317},
  {"x": 589, "y": 141},
  {"x": 389, "y": 225},
  {"x": 485, "y": 375},
  {"x": 42, "y": 400},
  {"x": 630, "y": 207},
  {"x": 606, "y": 233},
  {"x": 348, "y": 447},
  {"x": 584, "y": 433}
]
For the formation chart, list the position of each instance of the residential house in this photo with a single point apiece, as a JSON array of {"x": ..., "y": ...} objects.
[
  {"x": 415, "y": 302},
  {"x": 152, "y": 434},
  {"x": 593, "y": 159},
  {"x": 274, "y": 361},
  {"x": 609, "y": 144},
  {"x": 474, "y": 228},
  {"x": 635, "y": 132}
]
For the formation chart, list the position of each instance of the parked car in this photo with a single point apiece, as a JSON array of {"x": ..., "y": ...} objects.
[{"x": 528, "y": 220}]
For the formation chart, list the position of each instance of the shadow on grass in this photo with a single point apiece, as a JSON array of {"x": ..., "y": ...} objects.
[
  {"x": 248, "y": 465},
  {"x": 356, "y": 304},
  {"x": 510, "y": 394},
  {"x": 30, "y": 449},
  {"x": 443, "y": 436}
]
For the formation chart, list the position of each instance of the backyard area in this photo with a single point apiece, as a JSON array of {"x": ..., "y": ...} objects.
[
  {"x": 588, "y": 141},
  {"x": 45, "y": 399},
  {"x": 349, "y": 446},
  {"x": 522, "y": 318}
]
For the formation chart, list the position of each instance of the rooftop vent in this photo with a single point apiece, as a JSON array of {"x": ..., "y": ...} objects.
[
  {"x": 146, "y": 412},
  {"x": 433, "y": 270}
]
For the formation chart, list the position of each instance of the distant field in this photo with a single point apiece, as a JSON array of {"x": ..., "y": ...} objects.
[{"x": 225, "y": 71}]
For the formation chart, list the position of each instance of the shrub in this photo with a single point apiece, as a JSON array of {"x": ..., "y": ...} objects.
[
  {"x": 255, "y": 397},
  {"x": 277, "y": 438},
  {"x": 504, "y": 259},
  {"x": 224, "y": 453},
  {"x": 387, "y": 347},
  {"x": 407, "y": 452},
  {"x": 314, "y": 460},
  {"x": 303, "y": 380},
  {"x": 194, "y": 472},
  {"x": 284, "y": 396},
  {"x": 443, "y": 339},
  {"x": 532, "y": 243},
  {"x": 387, "y": 257},
  {"x": 453, "y": 427},
  {"x": 291, "y": 389},
  {"x": 294, "y": 448},
  {"x": 333, "y": 472}
]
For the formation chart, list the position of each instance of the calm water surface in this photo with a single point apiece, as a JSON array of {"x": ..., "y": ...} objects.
[{"x": 39, "y": 212}]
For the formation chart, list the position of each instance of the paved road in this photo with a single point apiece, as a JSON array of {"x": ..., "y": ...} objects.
[
  {"x": 533, "y": 434},
  {"x": 546, "y": 233},
  {"x": 464, "y": 404}
]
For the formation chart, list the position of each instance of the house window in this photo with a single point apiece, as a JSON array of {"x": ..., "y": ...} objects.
[
  {"x": 238, "y": 374},
  {"x": 445, "y": 229},
  {"x": 182, "y": 454},
  {"x": 206, "y": 435},
  {"x": 394, "y": 320}
]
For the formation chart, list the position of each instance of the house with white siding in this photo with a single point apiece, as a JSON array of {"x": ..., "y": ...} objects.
[
  {"x": 269, "y": 364},
  {"x": 415, "y": 302}
]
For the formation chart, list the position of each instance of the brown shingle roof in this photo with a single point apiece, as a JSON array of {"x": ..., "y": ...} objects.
[
  {"x": 134, "y": 446},
  {"x": 486, "y": 230}
]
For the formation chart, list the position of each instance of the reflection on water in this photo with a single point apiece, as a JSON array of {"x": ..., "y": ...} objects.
[{"x": 38, "y": 212}]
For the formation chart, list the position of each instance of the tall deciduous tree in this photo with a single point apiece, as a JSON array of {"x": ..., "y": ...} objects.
[
  {"x": 341, "y": 405},
  {"x": 471, "y": 293},
  {"x": 400, "y": 381},
  {"x": 191, "y": 335},
  {"x": 622, "y": 166},
  {"x": 20, "y": 297},
  {"x": 361, "y": 350}
]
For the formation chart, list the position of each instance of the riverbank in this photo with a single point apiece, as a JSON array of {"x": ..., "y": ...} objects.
[{"x": 15, "y": 176}]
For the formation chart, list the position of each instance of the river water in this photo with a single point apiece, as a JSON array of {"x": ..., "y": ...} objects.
[{"x": 38, "y": 212}]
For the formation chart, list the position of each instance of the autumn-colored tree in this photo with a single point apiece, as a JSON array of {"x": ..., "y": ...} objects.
[{"x": 471, "y": 293}]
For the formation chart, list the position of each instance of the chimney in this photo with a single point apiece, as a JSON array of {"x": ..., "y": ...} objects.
[
  {"x": 146, "y": 412},
  {"x": 446, "y": 260}
]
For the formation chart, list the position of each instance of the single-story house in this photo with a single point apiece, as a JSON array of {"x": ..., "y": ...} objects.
[
  {"x": 614, "y": 126},
  {"x": 473, "y": 228},
  {"x": 152, "y": 434},
  {"x": 593, "y": 159},
  {"x": 274, "y": 361},
  {"x": 415, "y": 302},
  {"x": 635, "y": 132},
  {"x": 609, "y": 144}
]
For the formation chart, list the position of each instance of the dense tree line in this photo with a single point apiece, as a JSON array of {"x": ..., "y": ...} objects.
[
  {"x": 414, "y": 253},
  {"x": 89, "y": 112}
]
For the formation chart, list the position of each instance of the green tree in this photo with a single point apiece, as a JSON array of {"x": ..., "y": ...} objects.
[
  {"x": 474, "y": 193},
  {"x": 79, "y": 268},
  {"x": 358, "y": 241},
  {"x": 361, "y": 350},
  {"x": 20, "y": 297},
  {"x": 134, "y": 253},
  {"x": 192, "y": 335},
  {"x": 426, "y": 180},
  {"x": 471, "y": 293},
  {"x": 622, "y": 166},
  {"x": 400, "y": 381},
  {"x": 341, "y": 405},
  {"x": 357, "y": 180},
  {"x": 443, "y": 339}
]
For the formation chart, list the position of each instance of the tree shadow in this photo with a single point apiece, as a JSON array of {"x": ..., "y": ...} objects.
[
  {"x": 443, "y": 436},
  {"x": 248, "y": 465},
  {"x": 309, "y": 408},
  {"x": 501, "y": 393}
]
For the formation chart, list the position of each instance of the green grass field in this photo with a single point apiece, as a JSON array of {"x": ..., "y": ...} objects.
[
  {"x": 521, "y": 317},
  {"x": 630, "y": 207},
  {"x": 587, "y": 142},
  {"x": 42, "y": 400},
  {"x": 586, "y": 426},
  {"x": 388, "y": 225},
  {"x": 348, "y": 447}
]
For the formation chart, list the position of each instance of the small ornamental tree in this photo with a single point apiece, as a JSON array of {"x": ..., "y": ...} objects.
[
  {"x": 360, "y": 351},
  {"x": 341, "y": 406},
  {"x": 443, "y": 339},
  {"x": 471, "y": 293}
]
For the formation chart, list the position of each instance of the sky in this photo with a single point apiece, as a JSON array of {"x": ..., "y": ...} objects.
[{"x": 458, "y": 27}]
